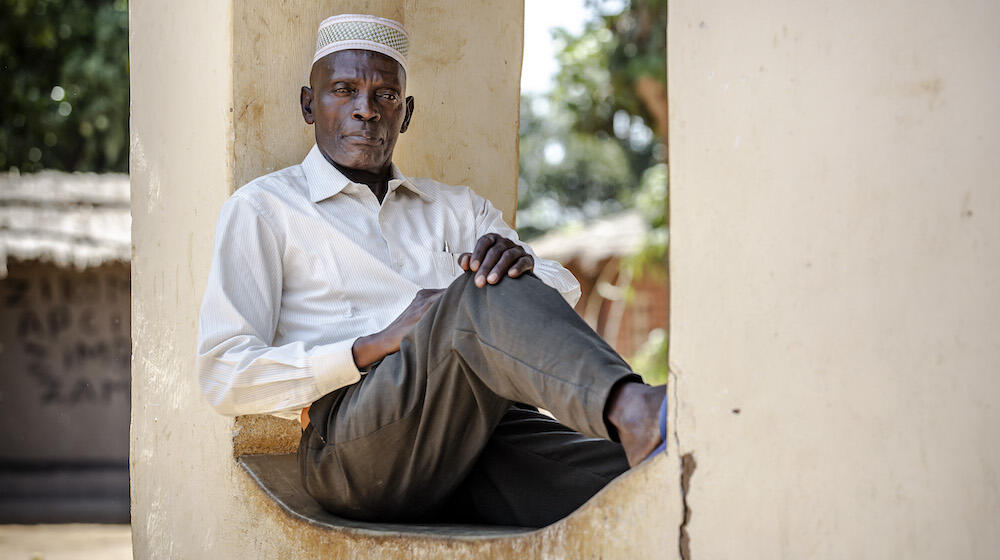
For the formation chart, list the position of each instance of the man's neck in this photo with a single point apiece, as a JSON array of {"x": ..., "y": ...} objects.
[{"x": 377, "y": 182}]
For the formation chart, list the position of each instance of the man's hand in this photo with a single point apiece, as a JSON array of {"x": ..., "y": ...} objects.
[
  {"x": 369, "y": 349},
  {"x": 495, "y": 257}
]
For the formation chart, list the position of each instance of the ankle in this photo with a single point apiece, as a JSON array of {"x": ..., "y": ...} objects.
[
  {"x": 633, "y": 409},
  {"x": 624, "y": 402}
]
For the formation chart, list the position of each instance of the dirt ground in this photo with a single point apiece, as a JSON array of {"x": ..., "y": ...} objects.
[{"x": 65, "y": 542}]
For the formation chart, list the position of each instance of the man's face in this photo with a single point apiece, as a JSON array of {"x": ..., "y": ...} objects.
[{"x": 356, "y": 102}]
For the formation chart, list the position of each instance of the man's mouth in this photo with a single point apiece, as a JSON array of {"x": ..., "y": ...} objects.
[{"x": 368, "y": 140}]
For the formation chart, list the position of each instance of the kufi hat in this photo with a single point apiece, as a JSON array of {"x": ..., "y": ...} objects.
[{"x": 359, "y": 31}]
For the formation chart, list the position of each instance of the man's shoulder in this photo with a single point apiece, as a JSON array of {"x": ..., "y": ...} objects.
[
  {"x": 448, "y": 194},
  {"x": 277, "y": 188}
]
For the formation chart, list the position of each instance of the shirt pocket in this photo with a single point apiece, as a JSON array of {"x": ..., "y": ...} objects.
[{"x": 445, "y": 267}]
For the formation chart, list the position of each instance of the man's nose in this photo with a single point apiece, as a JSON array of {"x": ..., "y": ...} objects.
[{"x": 364, "y": 109}]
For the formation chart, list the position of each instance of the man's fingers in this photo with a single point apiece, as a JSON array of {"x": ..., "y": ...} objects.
[
  {"x": 523, "y": 264},
  {"x": 509, "y": 257},
  {"x": 488, "y": 262},
  {"x": 464, "y": 259},
  {"x": 479, "y": 252},
  {"x": 428, "y": 296},
  {"x": 418, "y": 307}
]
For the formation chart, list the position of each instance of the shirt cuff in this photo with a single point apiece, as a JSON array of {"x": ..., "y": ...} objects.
[
  {"x": 558, "y": 278},
  {"x": 572, "y": 295},
  {"x": 333, "y": 366}
]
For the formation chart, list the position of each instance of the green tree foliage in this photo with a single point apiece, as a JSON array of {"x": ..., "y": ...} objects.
[
  {"x": 611, "y": 86},
  {"x": 64, "y": 78},
  {"x": 581, "y": 175},
  {"x": 631, "y": 46},
  {"x": 615, "y": 68},
  {"x": 608, "y": 115},
  {"x": 586, "y": 145},
  {"x": 653, "y": 204}
]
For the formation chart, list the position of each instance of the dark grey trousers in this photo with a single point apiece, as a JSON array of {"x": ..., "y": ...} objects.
[{"x": 446, "y": 430}]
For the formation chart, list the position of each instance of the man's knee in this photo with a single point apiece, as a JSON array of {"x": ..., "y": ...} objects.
[
  {"x": 506, "y": 287},
  {"x": 464, "y": 306}
]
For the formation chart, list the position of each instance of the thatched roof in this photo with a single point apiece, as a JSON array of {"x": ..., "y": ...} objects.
[
  {"x": 78, "y": 219},
  {"x": 588, "y": 245}
]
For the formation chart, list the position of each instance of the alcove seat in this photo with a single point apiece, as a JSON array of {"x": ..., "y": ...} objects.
[
  {"x": 638, "y": 515},
  {"x": 278, "y": 477}
]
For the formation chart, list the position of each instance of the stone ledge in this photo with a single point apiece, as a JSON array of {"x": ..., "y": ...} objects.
[
  {"x": 636, "y": 516},
  {"x": 261, "y": 433},
  {"x": 277, "y": 476}
]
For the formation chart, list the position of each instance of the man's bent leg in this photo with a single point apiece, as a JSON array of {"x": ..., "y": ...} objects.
[
  {"x": 534, "y": 471},
  {"x": 524, "y": 341},
  {"x": 397, "y": 442},
  {"x": 394, "y": 445}
]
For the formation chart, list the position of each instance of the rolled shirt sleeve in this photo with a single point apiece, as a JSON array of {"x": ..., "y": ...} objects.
[
  {"x": 490, "y": 220},
  {"x": 239, "y": 370}
]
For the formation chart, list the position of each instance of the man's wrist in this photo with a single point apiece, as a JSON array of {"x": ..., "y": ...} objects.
[
  {"x": 358, "y": 352},
  {"x": 367, "y": 350}
]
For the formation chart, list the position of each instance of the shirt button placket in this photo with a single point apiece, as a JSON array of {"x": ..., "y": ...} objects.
[{"x": 383, "y": 220}]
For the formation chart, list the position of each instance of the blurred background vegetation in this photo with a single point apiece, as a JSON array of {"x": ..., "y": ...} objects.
[
  {"x": 586, "y": 144},
  {"x": 64, "y": 78},
  {"x": 596, "y": 143}
]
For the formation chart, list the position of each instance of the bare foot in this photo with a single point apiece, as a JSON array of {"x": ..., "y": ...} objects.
[{"x": 633, "y": 409}]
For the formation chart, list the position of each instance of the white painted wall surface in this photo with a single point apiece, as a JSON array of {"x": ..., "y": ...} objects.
[
  {"x": 835, "y": 263},
  {"x": 182, "y": 474}
]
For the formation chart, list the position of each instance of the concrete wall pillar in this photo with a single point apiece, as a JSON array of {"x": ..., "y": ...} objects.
[
  {"x": 181, "y": 172},
  {"x": 835, "y": 267}
]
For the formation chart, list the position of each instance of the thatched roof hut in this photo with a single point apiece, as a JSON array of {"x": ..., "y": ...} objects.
[{"x": 69, "y": 219}]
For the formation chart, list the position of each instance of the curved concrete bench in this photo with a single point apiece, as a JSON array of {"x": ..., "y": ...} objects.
[
  {"x": 278, "y": 477},
  {"x": 637, "y": 516}
]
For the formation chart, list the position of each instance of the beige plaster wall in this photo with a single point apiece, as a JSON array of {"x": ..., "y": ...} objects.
[
  {"x": 182, "y": 475},
  {"x": 214, "y": 93},
  {"x": 836, "y": 286}
]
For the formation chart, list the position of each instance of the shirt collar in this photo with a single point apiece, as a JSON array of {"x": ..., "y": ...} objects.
[
  {"x": 400, "y": 180},
  {"x": 325, "y": 180}
]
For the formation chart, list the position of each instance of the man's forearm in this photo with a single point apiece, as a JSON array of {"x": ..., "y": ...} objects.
[{"x": 369, "y": 349}]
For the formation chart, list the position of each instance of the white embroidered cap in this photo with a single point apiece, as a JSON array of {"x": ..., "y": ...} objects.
[{"x": 360, "y": 31}]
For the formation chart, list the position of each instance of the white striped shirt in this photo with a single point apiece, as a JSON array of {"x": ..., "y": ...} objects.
[{"x": 306, "y": 262}]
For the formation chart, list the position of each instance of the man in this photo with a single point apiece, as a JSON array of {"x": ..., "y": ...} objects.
[{"x": 405, "y": 325}]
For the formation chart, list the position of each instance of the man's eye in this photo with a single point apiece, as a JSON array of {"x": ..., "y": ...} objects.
[
  {"x": 389, "y": 96},
  {"x": 341, "y": 91}
]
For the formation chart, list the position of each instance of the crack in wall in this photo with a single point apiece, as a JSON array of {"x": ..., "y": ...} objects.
[{"x": 688, "y": 464}]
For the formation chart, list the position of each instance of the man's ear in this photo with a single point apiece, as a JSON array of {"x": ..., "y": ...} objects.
[
  {"x": 306, "y": 101},
  {"x": 409, "y": 114}
]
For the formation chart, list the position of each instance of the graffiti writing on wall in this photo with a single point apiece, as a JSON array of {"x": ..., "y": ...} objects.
[{"x": 66, "y": 333}]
